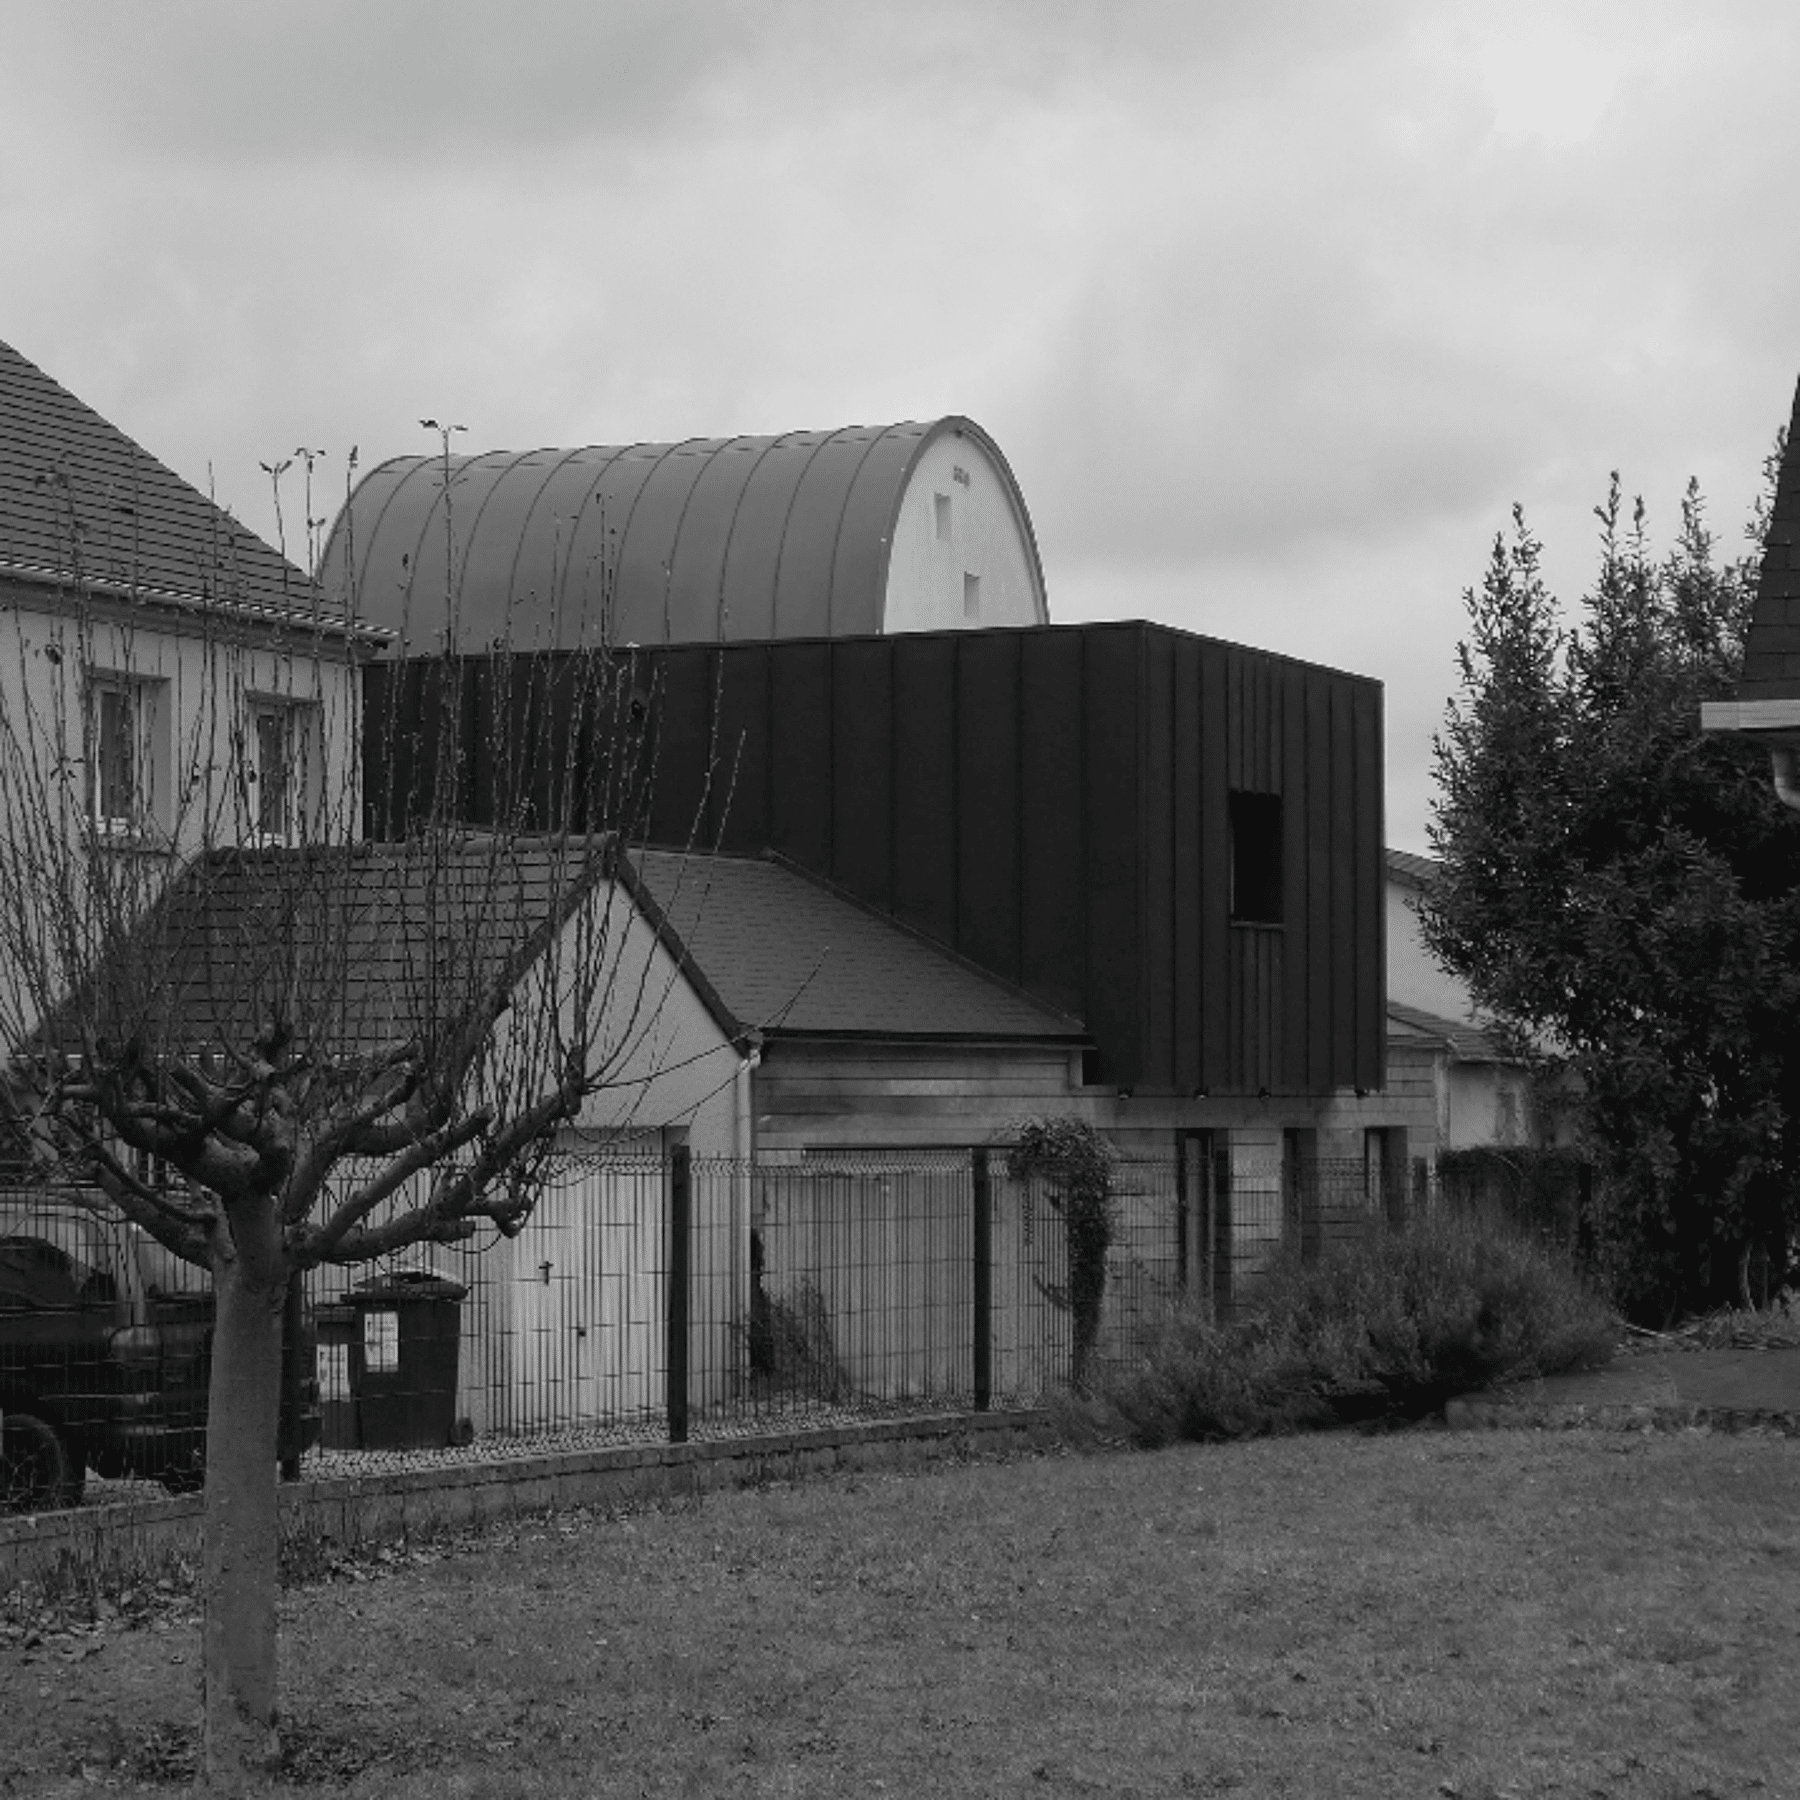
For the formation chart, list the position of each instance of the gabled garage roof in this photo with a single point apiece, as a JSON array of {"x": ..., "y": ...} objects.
[
  {"x": 352, "y": 941},
  {"x": 774, "y": 950}
]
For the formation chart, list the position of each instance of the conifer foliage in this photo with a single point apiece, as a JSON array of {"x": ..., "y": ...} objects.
[{"x": 1624, "y": 893}]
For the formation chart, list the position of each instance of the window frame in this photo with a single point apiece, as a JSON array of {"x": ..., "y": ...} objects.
[
  {"x": 141, "y": 699},
  {"x": 1256, "y": 830},
  {"x": 296, "y": 721}
]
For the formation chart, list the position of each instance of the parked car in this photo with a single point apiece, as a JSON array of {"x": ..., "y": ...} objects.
[{"x": 105, "y": 1354}]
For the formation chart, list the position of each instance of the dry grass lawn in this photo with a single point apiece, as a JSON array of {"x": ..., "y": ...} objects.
[{"x": 1423, "y": 1614}]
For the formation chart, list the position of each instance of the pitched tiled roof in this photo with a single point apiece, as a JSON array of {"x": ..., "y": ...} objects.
[
  {"x": 361, "y": 946},
  {"x": 1410, "y": 870},
  {"x": 1772, "y": 654},
  {"x": 1465, "y": 1042},
  {"x": 782, "y": 952},
  {"x": 367, "y": 945},
  {"x": 75, "y": 490}
]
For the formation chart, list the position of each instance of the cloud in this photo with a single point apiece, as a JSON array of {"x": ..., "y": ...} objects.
[{"x": 1275, "y": 310}]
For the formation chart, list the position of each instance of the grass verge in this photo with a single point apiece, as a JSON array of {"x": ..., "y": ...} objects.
[{"x": 1412, "y": 1614}]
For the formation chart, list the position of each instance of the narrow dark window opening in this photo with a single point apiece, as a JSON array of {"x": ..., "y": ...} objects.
[{"x": 1255, "y": 859}]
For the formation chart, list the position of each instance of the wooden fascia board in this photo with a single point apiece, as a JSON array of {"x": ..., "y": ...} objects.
[{"x": 1752, "y": 717}]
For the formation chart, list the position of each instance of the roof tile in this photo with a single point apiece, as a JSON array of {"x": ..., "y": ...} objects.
[
  {"x": 786, "y": 953},
  {"x": 74, "y": 488}
]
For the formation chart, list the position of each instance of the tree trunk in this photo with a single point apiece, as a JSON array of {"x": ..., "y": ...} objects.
[{"x": 241, "y": 1559}]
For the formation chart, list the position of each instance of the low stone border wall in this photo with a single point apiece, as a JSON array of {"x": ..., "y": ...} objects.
[
  {"x": 140, "y": 1536},
  {"x": 1525, "y": 1415}
]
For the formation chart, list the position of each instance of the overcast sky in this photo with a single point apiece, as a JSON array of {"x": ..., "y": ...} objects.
[{"x": 1276, "y": 308}]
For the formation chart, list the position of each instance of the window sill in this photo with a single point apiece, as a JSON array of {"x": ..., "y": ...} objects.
[
  {"x": 1259, "y": 925},
  {"x": 129, "y": 840}
]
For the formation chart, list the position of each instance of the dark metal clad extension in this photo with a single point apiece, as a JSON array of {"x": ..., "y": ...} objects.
[
  {"x": 1052, "y": 804},
  {"x": 75, "y": 490},
  {"x": 711, "y": 539}
]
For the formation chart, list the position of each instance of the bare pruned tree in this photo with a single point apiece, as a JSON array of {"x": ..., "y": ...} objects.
[{"x": 271, "y": 1041}]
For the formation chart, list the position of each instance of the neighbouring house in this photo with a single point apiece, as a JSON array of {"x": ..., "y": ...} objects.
[
  {"x": 1481, "y": 1094},
  {"x": 749, "y": 1008},
  {"x": 1172, "y": 841},
  {"x": 914, "y": 863},
  {"x": 882, "y": 528},
  {"x": 1767, "y": 706},
  {"x": 166, "y": 678}
]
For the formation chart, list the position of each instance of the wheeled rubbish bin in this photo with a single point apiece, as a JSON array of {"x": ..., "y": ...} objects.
[{"x": 403, "y": 1360}]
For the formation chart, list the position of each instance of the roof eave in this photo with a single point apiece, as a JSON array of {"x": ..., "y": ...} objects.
[
  {"x": 1015, "y": 1040},
  {"x": 315, "y": 619}
]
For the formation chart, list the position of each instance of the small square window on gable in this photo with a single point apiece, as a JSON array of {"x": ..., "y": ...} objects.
[
  {"x": 940, "y": 508},
  {"x": 1255, "y": 858}
]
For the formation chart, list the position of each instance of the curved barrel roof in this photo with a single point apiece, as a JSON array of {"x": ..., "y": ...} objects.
[{"x": 746, "y": 537}]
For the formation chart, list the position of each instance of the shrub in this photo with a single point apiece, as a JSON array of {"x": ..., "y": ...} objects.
[
  {"x": 1390, "y": 1328},
  {"x": 1077, "y": 1162}
]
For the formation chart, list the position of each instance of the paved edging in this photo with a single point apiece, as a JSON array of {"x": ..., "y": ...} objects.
[
  {"x": 354, "y": 1510},
  {"x": 1478, "y": 1414}
]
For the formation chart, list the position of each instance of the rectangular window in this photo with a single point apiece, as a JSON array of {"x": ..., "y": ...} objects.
[
  {"x": 1385, "y": 1172},
  {"x": 280, "y": 755},
  {"x": 116, "y": 756},
  {"x": 1300, "y": 1190},
  {"x": 123, "y": 761},
  {"x": 940, "y": 506},
  {"x": 1255, "y": 858},
  {"x": 971, "y": 596}
]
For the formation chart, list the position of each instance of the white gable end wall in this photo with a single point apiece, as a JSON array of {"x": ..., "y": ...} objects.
[
  {"x": 957, "y": 522},
  {"x": 1414, "y": 976}
]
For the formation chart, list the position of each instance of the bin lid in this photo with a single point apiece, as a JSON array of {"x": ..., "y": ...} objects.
[{"x": 406, "y": 1284}]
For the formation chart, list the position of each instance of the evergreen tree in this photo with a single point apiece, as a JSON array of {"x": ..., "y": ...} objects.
[{"x": 1623, "y": 894}]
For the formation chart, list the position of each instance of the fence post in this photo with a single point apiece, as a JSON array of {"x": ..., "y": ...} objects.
[
  {"x": 293, "y": 1376},
  {"x": 984, "y": 1282},
  {"x": 1181, "y": 1212},
  {"x": 681, "y": 1211},
  {"x": 1221, "y": 1223}
]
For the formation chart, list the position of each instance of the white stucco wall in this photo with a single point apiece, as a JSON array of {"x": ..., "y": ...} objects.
[
  {"x": 200, "y": 678},
  {"x": 983, "y": 537},
  {"x": 196, "y": 680},
  {"x": 1488, "y": 1104},
  {"x": 1414, "y": 975},
  {"x": 670, "y": 1063}
]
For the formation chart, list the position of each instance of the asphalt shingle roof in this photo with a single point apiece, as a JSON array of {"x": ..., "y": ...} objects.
[
  {"x": 780, "y": 951},
  {"x": 75, "y": 487},
  {"x": 363, "y": 946},
  {"x": 1410, "y": 870},
  {"x": 357, "y": 947},
  {"x": 1466, "y": 1042}
]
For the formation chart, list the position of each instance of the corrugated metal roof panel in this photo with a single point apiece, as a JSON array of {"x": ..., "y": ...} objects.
[{"x": 714, "y": 538}]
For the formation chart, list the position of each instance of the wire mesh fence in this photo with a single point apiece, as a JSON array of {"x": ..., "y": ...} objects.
[{"x": 651, "y": 1299}]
